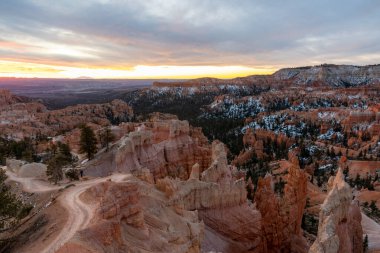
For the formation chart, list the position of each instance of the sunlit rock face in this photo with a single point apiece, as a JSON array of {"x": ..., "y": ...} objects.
[
  {"x": 133, "y": 216},
  {"x": 339, "y": 227},
  {"x": 164, "y": 147},
  {"x": 221, "y": 202}
]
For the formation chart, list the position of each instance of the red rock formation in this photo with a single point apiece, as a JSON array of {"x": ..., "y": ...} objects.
[
  {"x": 7, "y": 98},
  {"x": 20, "y": 118},
  {"x": 164, "y": 147},
  {"x": 121, "y": 224},
  {"x": 216, "y": 196},
  {"x": 339, "y": 228},
  {"x": 281, "y": 217},
  {"x": 254, "y": 140}
]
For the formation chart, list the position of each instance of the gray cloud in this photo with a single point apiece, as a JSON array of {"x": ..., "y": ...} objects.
[{"x": 195, "y": 32}]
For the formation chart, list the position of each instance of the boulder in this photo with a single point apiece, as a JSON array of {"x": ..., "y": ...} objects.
[
  {"x": 36, "y": 170},
  {"x": 14, "y": 165}
]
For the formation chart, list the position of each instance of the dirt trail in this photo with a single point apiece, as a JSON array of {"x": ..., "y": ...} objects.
[
  {"x": 79, "y": 213},
  {"x": 30, "y": 184},
  {"x": 372, "y": 229}
]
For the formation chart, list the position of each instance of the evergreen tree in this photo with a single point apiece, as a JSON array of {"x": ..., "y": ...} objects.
[
  {"x": 61, "y": 156},
  {"x": 365, "y": 244},
  {"x": 106, "y": 137},
  {"x": 11, "y": 208},
  {"x": 88, "y": 142},
  {"x": 65, "y": 151},
  {"x": 54, "y": 169},
  {"x": 373, "y": 207}
]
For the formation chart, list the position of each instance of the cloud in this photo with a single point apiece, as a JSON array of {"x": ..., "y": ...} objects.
[{"x": 189, "y": 33}]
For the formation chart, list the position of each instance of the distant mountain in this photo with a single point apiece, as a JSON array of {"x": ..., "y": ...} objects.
[{"x": 321, "y": 75}]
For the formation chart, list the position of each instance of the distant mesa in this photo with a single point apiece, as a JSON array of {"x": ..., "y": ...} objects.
[{"x": 321, "y": 75}]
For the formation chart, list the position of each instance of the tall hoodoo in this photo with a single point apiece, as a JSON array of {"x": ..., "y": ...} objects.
[{"x": 339, "y": 229}]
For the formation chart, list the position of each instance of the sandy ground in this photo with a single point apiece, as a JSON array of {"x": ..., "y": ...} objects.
[{"x": 79, "y": 214}]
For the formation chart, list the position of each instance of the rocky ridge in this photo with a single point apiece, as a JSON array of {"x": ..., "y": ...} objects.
[
  {"x": 322, "y": 75},
  {"x": 21, "y": 118}
]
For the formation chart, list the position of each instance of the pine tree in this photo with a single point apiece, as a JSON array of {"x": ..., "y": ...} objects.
[
  {"x": 373, "y": 207},
  {"x": 88, "y": 142},
  {"x": 365, "y": 244},
  {"x": 11, "y": 209},
  {"x": 54, "y": 169},
  {"x": 61, "y": 156},
  {"x": 106, "y": 137}
]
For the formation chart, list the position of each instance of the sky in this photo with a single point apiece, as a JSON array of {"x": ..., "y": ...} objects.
[{"x": 183, "y": 38}]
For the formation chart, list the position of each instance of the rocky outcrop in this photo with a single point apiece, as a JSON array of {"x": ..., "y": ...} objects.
[
  {"x": 36, "y": 170},
  {"x": 120, "y": 202},
  {"x": 21, "y": 118},
  {"x": 282, "y": 216},
  {"x": 164, "y": 147},
  {"x": 216, "y": 194},
  {"x": 70, "y": 117},
  {"x": 7, "y": 98},
  {"x": 332, "y": 75},
  {"x": 254, "y": 141},
  {"x": 339, "y": 228},
  {"x": 14, "y": 165},
  {"x": 133, "y": 216},
  {"x": 24, "y": 169}
]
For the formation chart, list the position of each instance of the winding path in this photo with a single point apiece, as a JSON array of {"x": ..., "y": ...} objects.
[
  {"x": 30, "y": 184},
  {"x": 79, "y": 213}
]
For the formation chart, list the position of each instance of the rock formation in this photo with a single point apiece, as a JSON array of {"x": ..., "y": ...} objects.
[
  {"x": 282, "y": 216},
  {"x": 121, "y": 224},
  {"x": 326, "y": 74},
  {"x": 14, "y": 165},
  {"x": 216, "y": 194},
  {"x": 164, "y": 147},
  {"x": 254, "y": 140},
  {"x": 339, "y": 228},
  {"x": 21, "y": 118},
  {"x": 36, "y": 170},
  {"x": 7, "y": 98}
]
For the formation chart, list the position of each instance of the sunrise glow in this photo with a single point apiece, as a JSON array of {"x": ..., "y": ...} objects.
[
  {"x": 22, "y": 69},
  {"x": 177, "y": 39}
]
